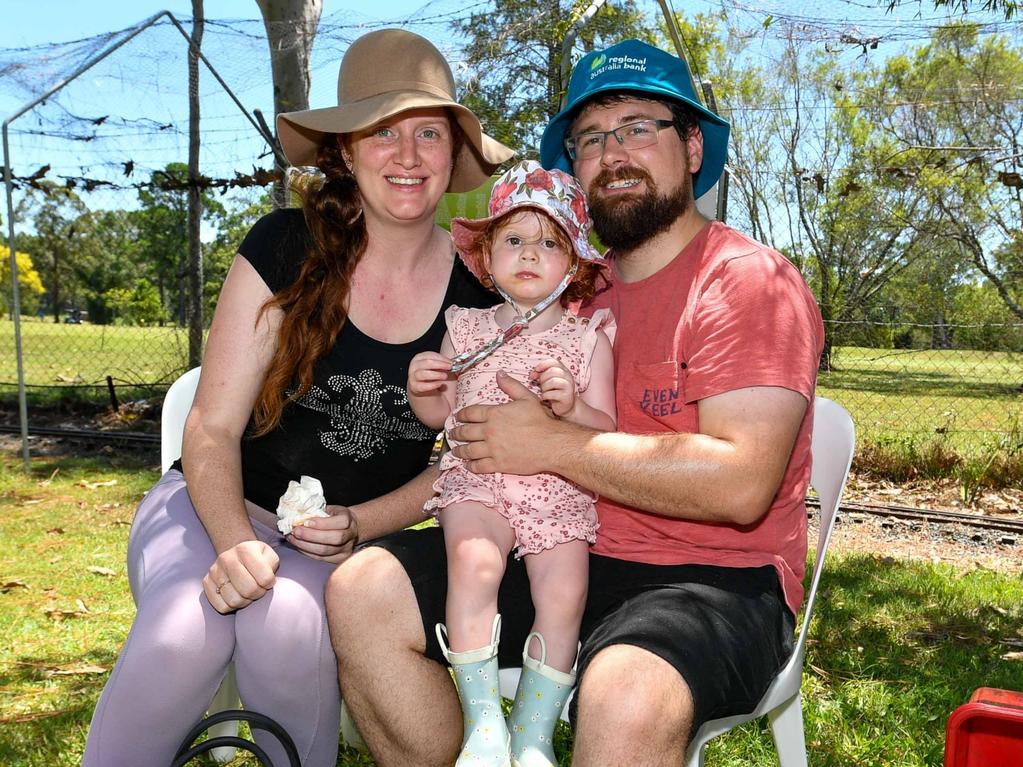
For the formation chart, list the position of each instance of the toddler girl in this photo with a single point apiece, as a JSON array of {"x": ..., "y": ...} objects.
[{"x": 533, "y": 250}]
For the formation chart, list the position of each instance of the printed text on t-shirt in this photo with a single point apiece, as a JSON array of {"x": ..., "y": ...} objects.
[{"x": 661, "y": 402}]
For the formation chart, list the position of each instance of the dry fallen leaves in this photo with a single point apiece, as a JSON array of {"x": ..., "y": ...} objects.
[
  {"x": 102, "y": 571},
  {"x": 96, "y": 485},
  {"x": 57, "y": 614},
  {"x": 12, "y": 585},
  {"x": 76, "y": 669},
  {"x": 31, "y": 717}
]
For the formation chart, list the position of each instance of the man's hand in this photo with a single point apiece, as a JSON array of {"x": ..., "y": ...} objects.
[
  {"x": 240, "y": 575},
  {"x": 331, "y": 539},
  {"x": 513, "y": 438}
]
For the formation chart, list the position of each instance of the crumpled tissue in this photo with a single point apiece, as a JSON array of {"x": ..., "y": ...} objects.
[{"x": 301, "y": 502}]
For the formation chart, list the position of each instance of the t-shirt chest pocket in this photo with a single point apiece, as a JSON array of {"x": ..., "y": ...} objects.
[{"x": 654, "y": 398}]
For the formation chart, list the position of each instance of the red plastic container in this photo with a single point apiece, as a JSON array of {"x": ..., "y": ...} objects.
[{"x": 987, "y": 731}]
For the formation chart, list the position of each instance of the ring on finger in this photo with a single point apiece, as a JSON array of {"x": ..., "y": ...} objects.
[{"x": 220, "y": 586}]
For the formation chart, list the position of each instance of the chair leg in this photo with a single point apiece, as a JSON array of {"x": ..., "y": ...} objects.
[
  {"x": 226, "y": 698},
  {"x": 694, "y": 756},
  {"x": 786, "y": 723}
]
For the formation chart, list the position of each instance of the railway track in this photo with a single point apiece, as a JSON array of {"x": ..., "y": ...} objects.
[
  {"x": 1014, "y": 526},
  {"x": 87, "y": 435},
  {"x": 933, "y": 516}
]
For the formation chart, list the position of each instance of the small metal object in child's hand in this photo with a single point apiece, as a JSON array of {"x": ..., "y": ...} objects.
[{"x": 466, "y": 360}]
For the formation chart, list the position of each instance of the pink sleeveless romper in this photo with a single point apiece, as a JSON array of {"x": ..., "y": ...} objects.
[{"x": 545, "y": 509}]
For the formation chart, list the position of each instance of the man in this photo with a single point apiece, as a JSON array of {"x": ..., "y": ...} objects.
[{"x": 696, "y": 575}]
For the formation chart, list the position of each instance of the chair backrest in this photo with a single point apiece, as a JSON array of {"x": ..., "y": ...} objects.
[
  {"x": 832, "y": 445},
  {"x": 176, "y": 405}
]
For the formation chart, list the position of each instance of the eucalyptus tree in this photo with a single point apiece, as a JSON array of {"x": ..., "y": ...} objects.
[
  {"x": 950, "y": 116},
  {"x": 512, "y": 73}
]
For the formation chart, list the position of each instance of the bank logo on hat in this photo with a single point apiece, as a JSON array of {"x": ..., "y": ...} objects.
[{"x": 633, "y": 66}]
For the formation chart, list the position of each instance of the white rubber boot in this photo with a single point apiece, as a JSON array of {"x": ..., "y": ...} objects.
[
  {"x": 485, "y": 741},
  {"x": 539, "y": 702}
]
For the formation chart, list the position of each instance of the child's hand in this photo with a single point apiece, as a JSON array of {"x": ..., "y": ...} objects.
[
  {"x": 557, "y": 386},
  {"x": 427, "y": 373}
]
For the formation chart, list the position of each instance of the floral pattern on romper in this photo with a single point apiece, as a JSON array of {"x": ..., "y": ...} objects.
[{"x": 545, "y": 509}]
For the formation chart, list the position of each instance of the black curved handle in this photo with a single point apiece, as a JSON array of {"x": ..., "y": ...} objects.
[
  {"x": 234, "y": 741},
  {"x": 255, "y": 719}
]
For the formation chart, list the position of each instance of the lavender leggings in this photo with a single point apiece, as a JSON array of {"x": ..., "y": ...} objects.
[{"x": 179, "y": 646}]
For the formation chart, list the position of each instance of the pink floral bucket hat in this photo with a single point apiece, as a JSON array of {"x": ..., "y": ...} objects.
[{"x": 527, "y": 185}]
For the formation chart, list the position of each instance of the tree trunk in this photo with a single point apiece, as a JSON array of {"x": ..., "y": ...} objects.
[
  {"x": 290, "y": 29},
  {"x": 194, "y": 270},
  {"x": 827, "y": 315},
  {"x": 55, "y": 288},
  {"x": 941, "y": 336}
]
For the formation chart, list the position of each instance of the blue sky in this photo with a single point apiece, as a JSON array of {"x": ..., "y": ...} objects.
[
  {"x": 144, "y": 86},
  {"x": 144, "y": 83},
  {"x": 49, "y": 21}
]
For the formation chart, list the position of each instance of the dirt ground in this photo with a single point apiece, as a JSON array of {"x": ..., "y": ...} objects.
[{"x": 963, "y": 546}]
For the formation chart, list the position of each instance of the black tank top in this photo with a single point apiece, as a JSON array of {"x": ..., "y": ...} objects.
[{"x": 354, "y": 430}]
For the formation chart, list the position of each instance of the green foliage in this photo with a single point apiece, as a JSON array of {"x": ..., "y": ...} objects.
[
  {"x": 232, "y": 226},
  {"x": 162, "y": 223},
  {"x": 138, "y": 306},
  {"x": 56, "y": 243},
  {"x": 1008, "y": 7},
  {"x": 985, "y": 322},
  {"x": 958, "y": 151},
  {"x": 514, "y": 53},
  {"x": 96, "y": 259}
]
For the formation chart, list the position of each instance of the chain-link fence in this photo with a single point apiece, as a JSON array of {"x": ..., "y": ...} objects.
[
  {"x": 90, "y": 363},
  {"x": 968, "y": 397},
  {"x": 911, "y": 383}
]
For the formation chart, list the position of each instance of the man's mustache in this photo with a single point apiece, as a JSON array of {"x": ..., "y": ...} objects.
[{"x": 620, "y": 173}]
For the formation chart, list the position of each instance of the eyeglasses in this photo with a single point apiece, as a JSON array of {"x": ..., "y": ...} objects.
[{"x": 587, "y": 146}]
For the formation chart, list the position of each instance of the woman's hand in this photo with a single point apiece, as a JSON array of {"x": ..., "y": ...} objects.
[
  {"x": 331, "y": 539},
  {"x": 240, "y": 576},
  {"x": 557, "y": 386},
  {"x": 427, "y": 373}
]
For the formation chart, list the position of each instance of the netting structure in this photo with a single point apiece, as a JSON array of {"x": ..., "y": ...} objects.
[{"x": 105, "y": 139}]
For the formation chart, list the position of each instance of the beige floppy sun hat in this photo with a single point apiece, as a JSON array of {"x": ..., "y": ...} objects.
[{"x": 384, "y": 73}]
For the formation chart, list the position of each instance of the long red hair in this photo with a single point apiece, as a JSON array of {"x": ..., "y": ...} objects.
[{"x": 315, "y": 306}]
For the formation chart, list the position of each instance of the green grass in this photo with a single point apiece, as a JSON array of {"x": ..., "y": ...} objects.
[
  {"x": 894, "y": 649},
  {"x": 963, "y": 396},
  {"x": 966, "y": 398},
  {"x": 75, "y": 360}
]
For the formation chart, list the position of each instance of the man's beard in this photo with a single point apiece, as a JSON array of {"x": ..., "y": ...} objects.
[{"x": 625, "y": 222}]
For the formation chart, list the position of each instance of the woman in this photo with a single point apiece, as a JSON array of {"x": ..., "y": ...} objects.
[{"x": 304, "y": 373}]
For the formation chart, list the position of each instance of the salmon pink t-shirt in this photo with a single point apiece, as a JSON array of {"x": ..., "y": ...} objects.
[{"x": 727, "y": 313}]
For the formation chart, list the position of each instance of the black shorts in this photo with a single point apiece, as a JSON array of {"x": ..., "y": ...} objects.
[{"x": 726, "y": 630}]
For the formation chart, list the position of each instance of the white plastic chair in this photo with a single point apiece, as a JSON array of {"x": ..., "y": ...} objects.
[
  {"x": 176, "y": 405},
  {"x": 832, "y": 446}
]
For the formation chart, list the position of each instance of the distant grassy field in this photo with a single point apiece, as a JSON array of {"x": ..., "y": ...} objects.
[
  {"x": 72, "y": 356},
  {"x": 969, "y": 398}
]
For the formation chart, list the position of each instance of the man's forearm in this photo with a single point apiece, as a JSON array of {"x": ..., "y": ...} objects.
[{"x": 677, "y": 475}]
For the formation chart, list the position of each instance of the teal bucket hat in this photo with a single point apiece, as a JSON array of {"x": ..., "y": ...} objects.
[{"x": 636, "y": 67}]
